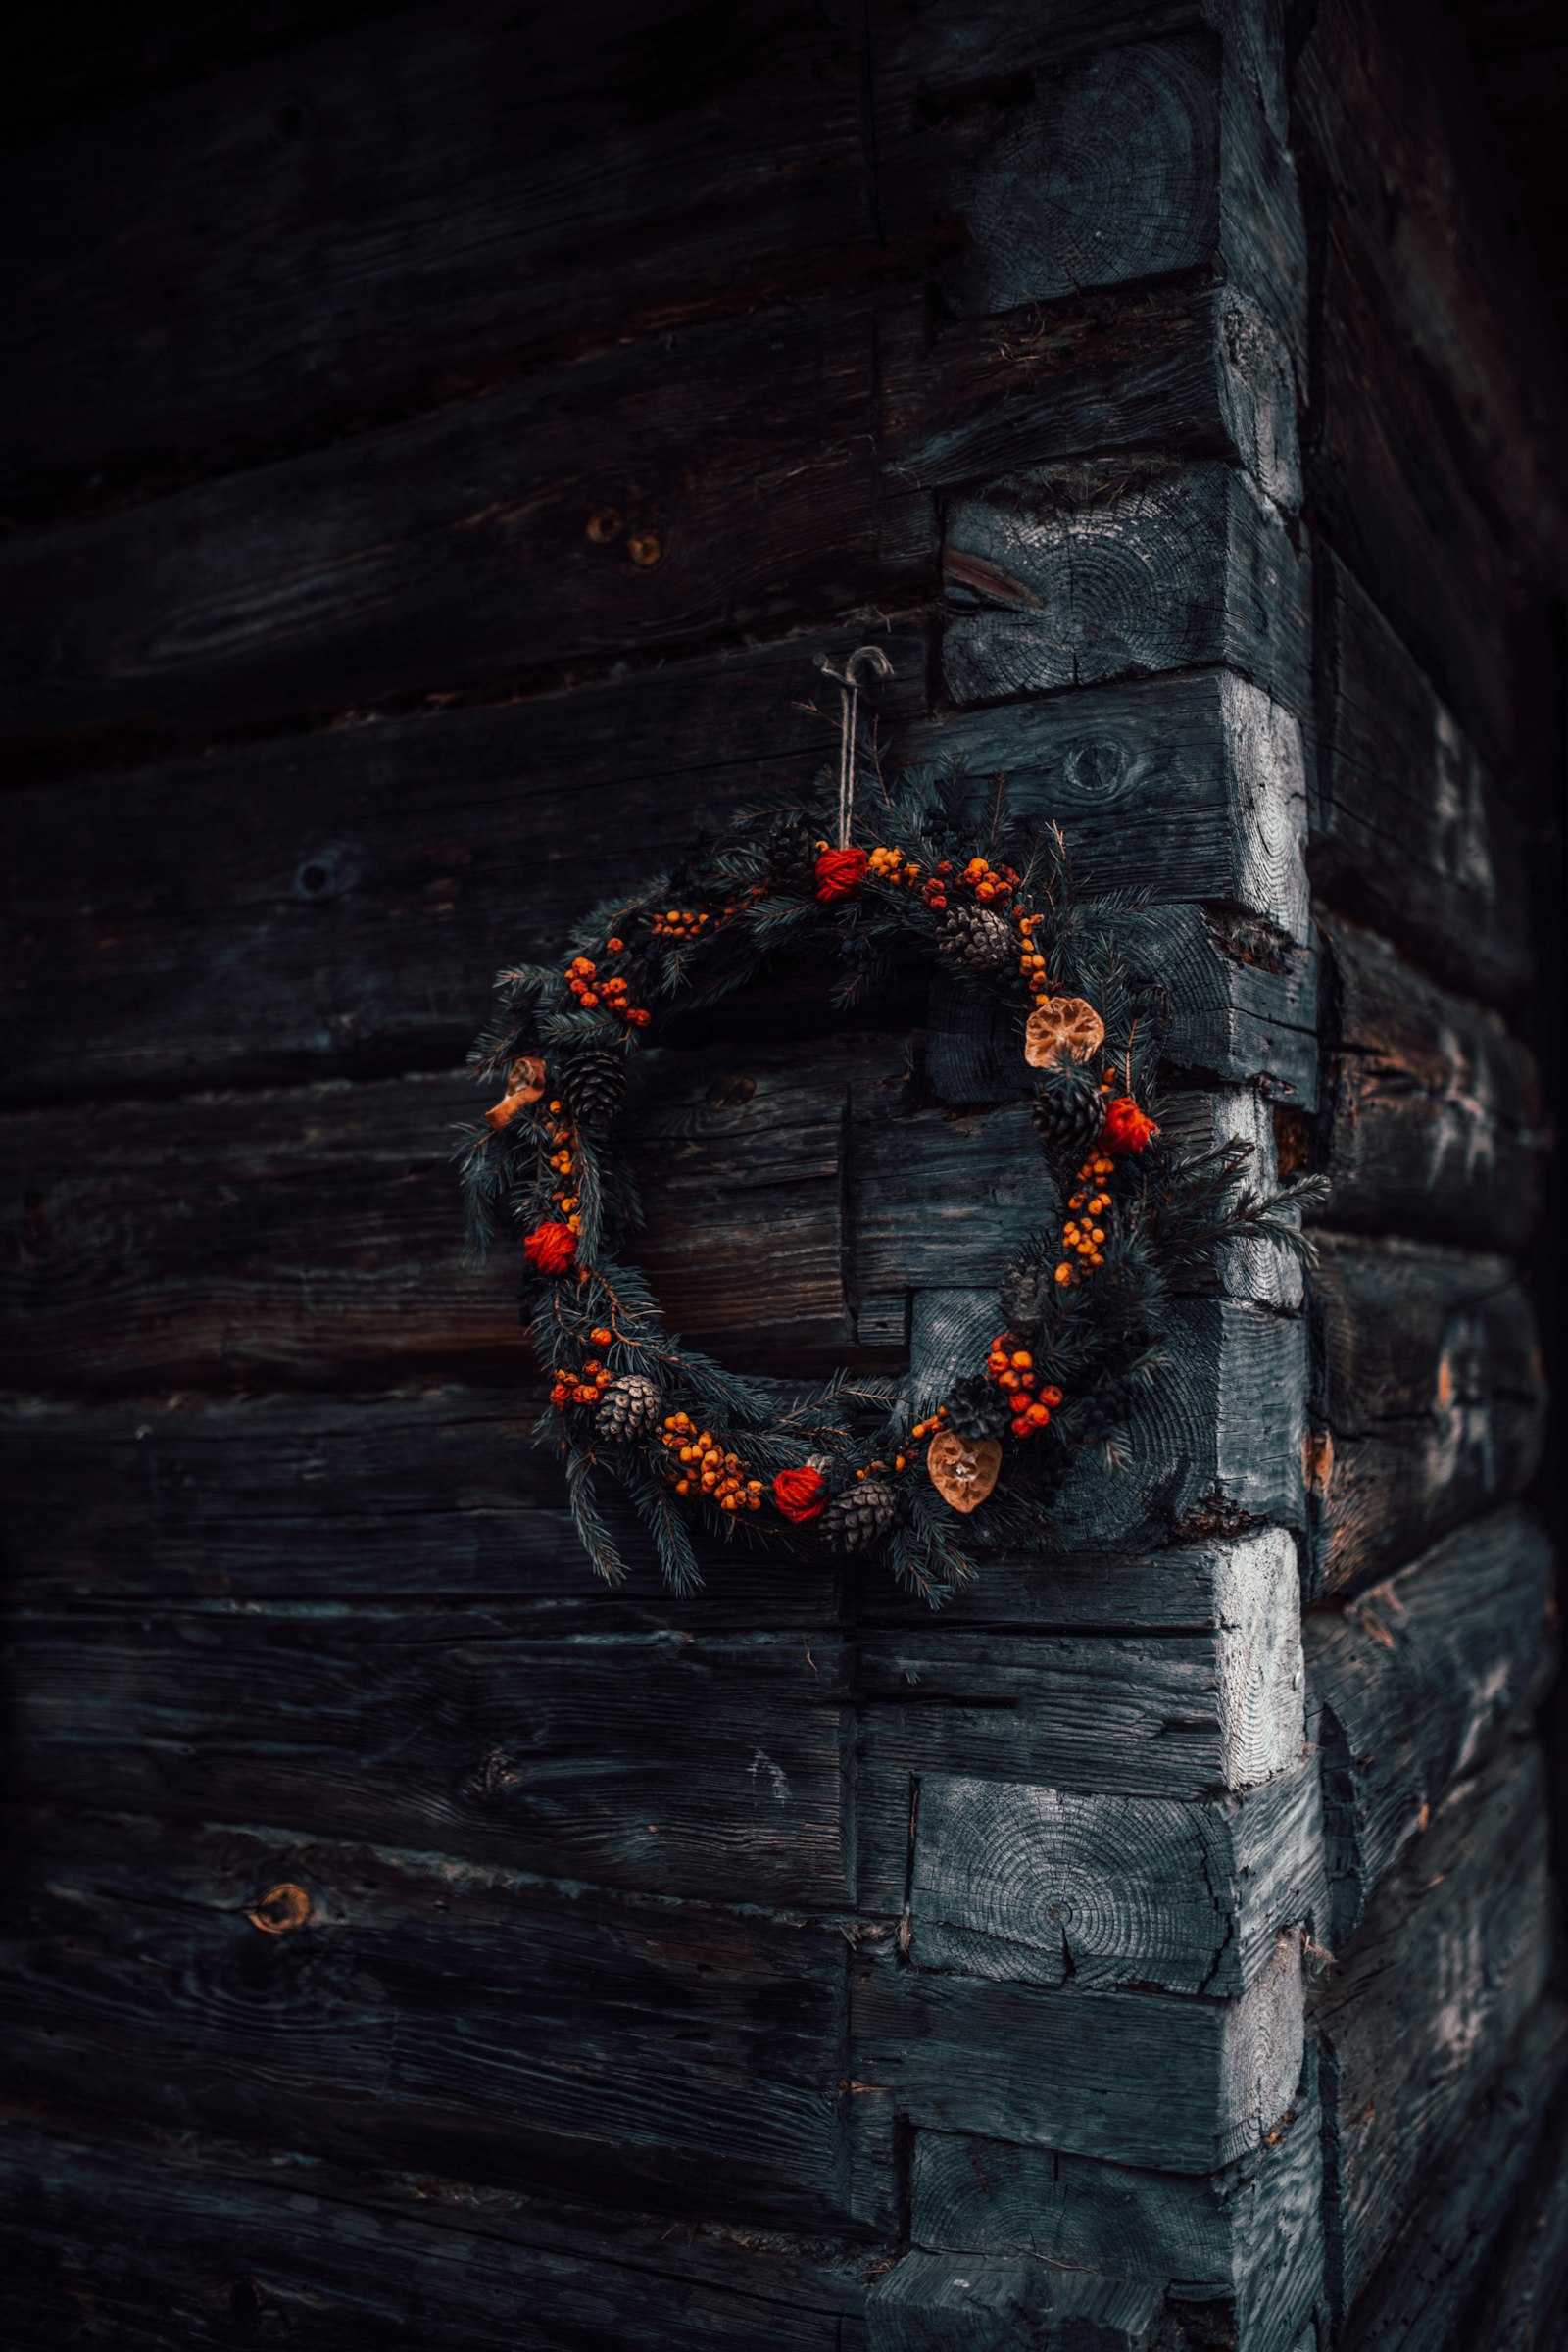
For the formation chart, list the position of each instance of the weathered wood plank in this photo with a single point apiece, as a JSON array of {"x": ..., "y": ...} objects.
[
  {"x": 666, "y": 1761},
  {"x": 1191, "y": 1587},
  {"x": 457, "y": 548},
  {"x": 1429, "y": 1400},
  {"x": 444, "y": 156},
  {"x": 1410, "y": 832},
  {"x": 1116, "y": 569},
  {"x": 1526, "y": 2303},
  {"x": 432, "y": 2015},
  {"x": 931, "y": 2303},
  {"x": 1047, "y": 1885},
  {"x": 340, "y": 902},
  {"x": 1198, "y": 782},
  {"x": 1183, "y": 1715},
  {"x": 1138, "y": 2078},
  {"x": 1413, "y": 1683},
  {"x": 434, "y": 1494},
  {"x": 1418, "y": 2016},
  {"x": 1422, "y": 2295},
  {"x": 1249, "y": 2235},
  {"x": 1435, "y": 1109}
]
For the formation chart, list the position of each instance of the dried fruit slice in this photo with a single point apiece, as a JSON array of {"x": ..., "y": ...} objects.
[
  {"x": 1062, "y": 1028},
  {"x": 962, "y": 1470}
]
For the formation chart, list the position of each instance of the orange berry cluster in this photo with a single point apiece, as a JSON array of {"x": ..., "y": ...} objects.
[
  {"x": 589, "y": 986},
  {"x": 892, "y": 866},
  {"x": 929, "y": 1429},
  {"x": 1083, "y": 1237},
  {"x": 680, "y": 923},
  {"x": 1031, "y": 963},
  {"x": 562, "y": 1137},
  {"x": 1013, "y": 1368},
  {"x": 703, "y": 1464},
  {"x": 586, "y": 1386},
  {"x": 986, "y": 881}
]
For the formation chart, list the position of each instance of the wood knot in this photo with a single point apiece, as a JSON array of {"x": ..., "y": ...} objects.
[
  {"x": 604, "y": 524},
  {"x": 645, "y": 548},
  {"x": 280, "y": 1909}
]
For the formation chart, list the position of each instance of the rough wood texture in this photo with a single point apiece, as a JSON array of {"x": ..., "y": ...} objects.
[
  {"x": 1422, "y": 2299},
  {"x": 510, "y": 1746},
  {"x": 430, "y": 2014},
  {"x": 1412, "y": 1683},
  {"x": 930, "y": 2303},
  {"x": 1046, "y": 1885},
  {"x": 1249, "y": 2235},
  {"x": 1411, "y": 831},
  {"x": 167, "y": 2237},
  {"x": 1140, "y": 2078},
  {"x": 1435, "y": 1122},
  {"x": 1420, "y": 2011},
  {"x": 1115, "y": 569},
  {"x": 1429, "y": 1399}
]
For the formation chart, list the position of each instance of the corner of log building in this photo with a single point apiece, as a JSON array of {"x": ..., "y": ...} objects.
[{"x": 437, "y": 447}]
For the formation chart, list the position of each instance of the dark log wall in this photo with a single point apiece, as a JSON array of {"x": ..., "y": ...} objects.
[{"x": 437, "y": 448}]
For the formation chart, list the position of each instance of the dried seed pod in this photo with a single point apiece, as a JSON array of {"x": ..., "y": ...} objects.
[
  {"x": 525, "y": 1083},
  {"x": 1062, "y": 1027},
  {"x": 963, "y": 1470}
]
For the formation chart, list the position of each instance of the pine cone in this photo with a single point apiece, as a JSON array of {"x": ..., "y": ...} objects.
[
  {"x": 861, "y": 1516},
  {"x": 593, "y": 1081},
  {"x": 1069, "y": 1108},
  {"x": 791, "y": 841},
  {"x": 977, "y": 938},
  {"x": 631, "y": 1407},
  {"x": 978, "y": 1408}
]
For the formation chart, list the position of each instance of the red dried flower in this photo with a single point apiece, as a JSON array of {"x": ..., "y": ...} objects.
[
  {"x": 801, "y": 1495},
  {"x": 839, "y": 871},
  {"x": 551, "y": 1247},
  {"x": 1126, "y": 1128}
]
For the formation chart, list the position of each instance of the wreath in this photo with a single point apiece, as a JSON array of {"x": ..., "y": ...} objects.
[{"x": 855, "y": 1463}]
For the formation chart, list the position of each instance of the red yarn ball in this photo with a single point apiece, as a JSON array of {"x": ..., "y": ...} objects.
[
  {"x": 801, "y": 1495},
  {"x": 839, "y": 871},
  {"x": 1127, "y": 1128},
  {"x": 551, "y": 1247}
]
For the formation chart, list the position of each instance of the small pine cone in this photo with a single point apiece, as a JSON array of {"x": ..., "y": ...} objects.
[
  {"x": 977, "y": 938},
  {"x": 791, "y": 841},
  {"x": 1069, "y": 1108},
  {"x": 978, "y": 1408},
  {"x": 594, "y": 1084},
  {"x": 861, "y": 1516},
  {"x": 631, "y": 1408}
]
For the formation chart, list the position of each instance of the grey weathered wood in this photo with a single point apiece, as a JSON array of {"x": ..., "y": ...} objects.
[
  {"x": 1429, "y": 1400},
  {"x": 1249, "y": 2235},
  {"x": 1196, "y": 782},
  {"x": 1179, "y": 1715},
  {"x": 1526, "y": 2303},
  {"x": 435, "y": 1493},
  {"x": 428, "y": 2014},
  {"x": 1411, "y": 831},
  {"x": 1118, "y": 568},
  {"x": 1046, "y": 1885},
  {"x": 165, "y": 2229},
  {"x": 1435, "y": 1109},
  {"x": 1411, "y": 1685},
  {"x": 1423, "y": 2294},
  {"x": 472, "y": 1733},
  {"x": 1419, "y": 2014},
  {"x": 933, "y": 2303},
  {"x": 1138, "y": 2078},
  {"x": 455, "y": 548}
]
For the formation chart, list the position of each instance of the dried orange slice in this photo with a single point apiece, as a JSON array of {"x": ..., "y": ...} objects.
[
  {"x": 964, "y": 1471},
  {"x": 1063, "y": 1029}
]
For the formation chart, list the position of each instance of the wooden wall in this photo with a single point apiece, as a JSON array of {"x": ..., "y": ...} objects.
[{"x": 438, "y": 445}]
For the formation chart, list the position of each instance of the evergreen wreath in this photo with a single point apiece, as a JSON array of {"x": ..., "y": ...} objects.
[{"x": 1083, "y": 1308}]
